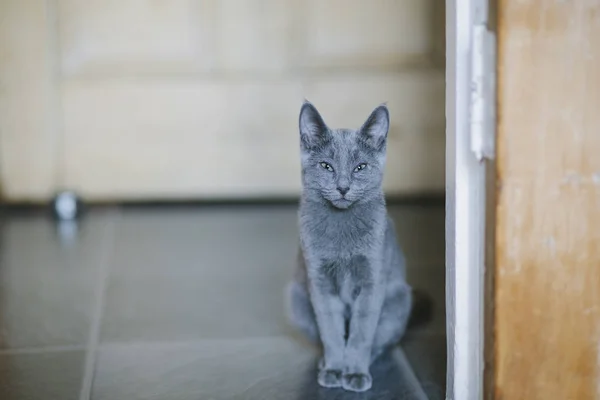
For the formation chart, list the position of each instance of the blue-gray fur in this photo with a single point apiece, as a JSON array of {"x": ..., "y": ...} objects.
[{"x": 349, "y": 292}]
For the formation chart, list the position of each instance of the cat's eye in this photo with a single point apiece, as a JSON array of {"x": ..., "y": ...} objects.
[
  {"x": 360, "y": 167},
  {"x": 326, "y": 166}
]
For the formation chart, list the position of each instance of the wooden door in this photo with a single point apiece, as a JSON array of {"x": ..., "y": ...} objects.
[
  {"x": 146, "y": 99},
  {"x": 547, "y": 272}
]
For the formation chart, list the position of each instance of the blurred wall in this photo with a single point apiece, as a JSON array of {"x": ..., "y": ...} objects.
[{"x": 156, "y": 99}]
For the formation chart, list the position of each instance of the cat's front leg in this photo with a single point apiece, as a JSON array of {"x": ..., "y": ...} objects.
[
  {"x": 363, "y": 324},
  {"x": 329, "y": 313}
]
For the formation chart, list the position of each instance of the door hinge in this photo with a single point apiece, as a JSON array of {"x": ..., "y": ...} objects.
[{"x": 483, "y": 93}]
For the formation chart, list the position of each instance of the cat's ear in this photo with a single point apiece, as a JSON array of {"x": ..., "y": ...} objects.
[
  {"x": 375, "y": 128},
  {"x": 312, "y": 127}
]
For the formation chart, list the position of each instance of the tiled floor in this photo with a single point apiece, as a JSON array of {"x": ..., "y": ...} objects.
[{"x": 186, "y": 302}]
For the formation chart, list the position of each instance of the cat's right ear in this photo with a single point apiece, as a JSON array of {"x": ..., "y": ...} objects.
[{"x": 312, "y": 127}]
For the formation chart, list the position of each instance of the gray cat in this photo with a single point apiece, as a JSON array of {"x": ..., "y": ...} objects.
[{"x": 349, "y": 290}]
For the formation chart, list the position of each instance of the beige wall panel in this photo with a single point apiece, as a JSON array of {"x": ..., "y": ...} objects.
[
  {"x": 213, "y": 139},
  {"x": 114, "y": 37},
  {"x": 254, "y": 35},
  {"x": 27, "y": 135},
  {"x": 415, "y": 98},
  {"x": 123, "y": 99},
  {"x": 181, "y": 139},
  {"x": 349, "y": 33},
  {"x": 416, "y": 164}
]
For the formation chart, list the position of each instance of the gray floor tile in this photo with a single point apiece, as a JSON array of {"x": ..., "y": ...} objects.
[
  {"x": 200, "y": 274},
  {"x": 427, "y": 356},
  {"x": 193, "y": 307},
  {"x": 47, "y": 376},
  {"x": 47, "y": 281},
  {"x": 421, "y": 232},
  {"x": 242, "y": 369}
]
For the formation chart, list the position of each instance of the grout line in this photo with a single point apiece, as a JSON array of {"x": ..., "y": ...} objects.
[
  {"x": 416, "y": 390},
  {"x": 108, "y": 245},
  {"x": 41, "y": 349},
  {"x": 199, "y": 341}
]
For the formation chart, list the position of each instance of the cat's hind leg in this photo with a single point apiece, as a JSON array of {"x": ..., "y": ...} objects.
[
  {"x": 392, "y": 322},
  {"x": 300, "y": 311}
]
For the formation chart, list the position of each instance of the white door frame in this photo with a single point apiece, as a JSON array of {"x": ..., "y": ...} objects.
[{"x": 468, "y": 126}]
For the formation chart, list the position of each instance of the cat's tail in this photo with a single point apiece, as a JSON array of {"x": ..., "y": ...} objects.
[{"x": 422, "y": 309}]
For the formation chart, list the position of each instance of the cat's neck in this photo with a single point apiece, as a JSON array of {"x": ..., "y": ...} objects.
[{"x": 312, "y": 200}]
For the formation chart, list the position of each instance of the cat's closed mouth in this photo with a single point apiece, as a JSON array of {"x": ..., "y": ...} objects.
[{"x": 342, "y": 203}]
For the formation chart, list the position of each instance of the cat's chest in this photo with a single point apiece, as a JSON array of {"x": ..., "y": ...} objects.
[
  {"x": 345, "y": 278},
  {"x": 340, "y": 235}
]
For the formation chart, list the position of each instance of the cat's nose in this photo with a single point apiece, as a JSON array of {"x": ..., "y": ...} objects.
[{"x": 343, "y": 190}]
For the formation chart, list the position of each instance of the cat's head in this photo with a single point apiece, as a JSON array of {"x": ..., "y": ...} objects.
[{"x": 342, "y": 166}]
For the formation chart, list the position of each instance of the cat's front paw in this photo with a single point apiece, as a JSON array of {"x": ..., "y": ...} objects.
[
  {"x": 330, "y": 378},
  {"x": 357, "y": 382}
]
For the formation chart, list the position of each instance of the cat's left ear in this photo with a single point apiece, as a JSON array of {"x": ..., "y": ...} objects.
[{"x": 375, "y": 129}]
